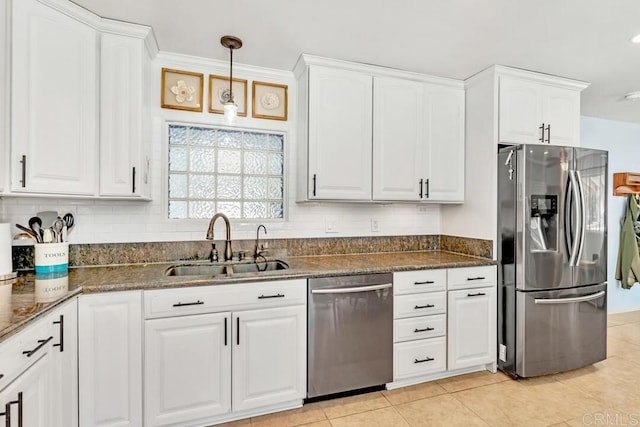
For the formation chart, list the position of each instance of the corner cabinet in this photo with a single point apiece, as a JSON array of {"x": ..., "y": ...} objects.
[
  {"x": 54, "y": 102},
  {"x": 80, "y": 102},
  {"x": 372, "y": 134},
  {"x": 538, "y": 109}
]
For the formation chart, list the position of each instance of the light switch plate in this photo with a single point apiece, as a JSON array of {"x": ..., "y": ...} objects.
[{"x": 330, "y": 226}]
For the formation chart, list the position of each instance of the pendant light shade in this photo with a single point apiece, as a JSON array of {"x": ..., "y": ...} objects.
[{"x": 230, "y": 107}]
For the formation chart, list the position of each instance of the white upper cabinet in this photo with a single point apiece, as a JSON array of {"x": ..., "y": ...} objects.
[
  {"x": 54, "y": 102},
  {"x": 399, "y": 143},
  {"x": 444, "y": 153},
  {"x": 123, "y": 89},
  {"x": 369, "y": 133},
  {"x": 340, "y": 105},
  {"x": 532, "y": 111}
]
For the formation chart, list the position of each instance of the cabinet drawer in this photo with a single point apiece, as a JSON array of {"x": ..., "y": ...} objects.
[
  {"x": 420, "y": 357},
  {"x": 421, "y": 327},
  {"x": 471, "y": 277},
  {"x": 410, "y": 282},
  {"x": 209, "y": 299},
  {"x": 13, "y": 360},
  {"x": 419, "y": 304}
]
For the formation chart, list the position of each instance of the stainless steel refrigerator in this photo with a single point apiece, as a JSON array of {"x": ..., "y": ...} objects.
[{"x": 552, "y": 258}]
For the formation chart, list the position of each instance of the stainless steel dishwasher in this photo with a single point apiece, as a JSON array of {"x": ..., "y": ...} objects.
[{"x": 350, "y": 340}]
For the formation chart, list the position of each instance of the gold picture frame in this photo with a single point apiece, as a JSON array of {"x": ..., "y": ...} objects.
[
  {"x": 219, "y": 87},
  {"x": 269, "y": 101},
  {"x": 182, "y": 90}
]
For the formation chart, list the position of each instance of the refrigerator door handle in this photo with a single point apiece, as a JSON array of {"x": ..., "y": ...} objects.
[
  {"x": 583, "y": 217},
  {"x": 569, "y": 300},
  {"x": 576, "y": 238}
]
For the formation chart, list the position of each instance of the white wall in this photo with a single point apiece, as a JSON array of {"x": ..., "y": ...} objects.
[
  {"x": 622, "y": 140},
  {"x": 115, "y": 221}
]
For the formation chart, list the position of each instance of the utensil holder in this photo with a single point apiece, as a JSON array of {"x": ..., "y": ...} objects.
[{"x": 51, "y": 257}]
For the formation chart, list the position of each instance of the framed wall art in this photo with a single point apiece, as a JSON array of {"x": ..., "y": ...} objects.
[
  {"x": 219, "y": 94},
  {"x": 182, "y": 90},
  {"x": 269, "y": 101}
]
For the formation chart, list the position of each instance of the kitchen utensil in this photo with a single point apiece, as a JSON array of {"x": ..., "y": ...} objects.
[
  {"x": 47, "y": 235},
  {"x": 47, "y": 217},
  {"x": 69, "y": 221},
  {"x": 58, "y": 227},
  {"x": 28, "y": 231},
  {"x": 35, "y": 224}
]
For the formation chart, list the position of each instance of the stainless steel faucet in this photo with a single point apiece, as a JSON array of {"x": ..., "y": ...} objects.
[
  {"x": 228, "y": 254},
  {"x": 256, "y": 250}
]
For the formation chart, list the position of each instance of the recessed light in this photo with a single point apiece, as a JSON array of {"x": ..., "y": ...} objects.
[
  {"x": 632, "y": 96},
  {"x": 636, "y": 39}
]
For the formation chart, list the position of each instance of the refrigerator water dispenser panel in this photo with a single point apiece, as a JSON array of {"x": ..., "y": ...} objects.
[{"x": 544, "y": 222}]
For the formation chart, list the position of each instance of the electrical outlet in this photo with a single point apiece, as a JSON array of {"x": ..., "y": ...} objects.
[
  {"x": 375, "y": 226},
  {"x": 330, "y": 226},
  {"x": 423, "y": 210}
]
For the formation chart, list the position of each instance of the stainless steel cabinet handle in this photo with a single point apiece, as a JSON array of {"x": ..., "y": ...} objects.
[
  {"x": 225, "y": 331},
  {"x": 41, "y": 343},
  {"x": 7, "y": 411},
  {"x": 133, "y": 180},
  {"x": 314, "y": 184},
  {"x": 350, "y": 290},
  {"x": 569, "y": 300},
  {"x": 428, "y": 282},
  {"x": 475, "y": 278},
  {"x": 548, "y": 134},
  {"x": 420, "y": 193},
  {"x": 417, "y": 307},
  {"x": 426, "y": 193},
  {"x": 237, "y": 331},
  {"x": 279, "y": 295},
  {"x": 541, "y": 139},
  {"x": 416, "y": 330},
  {"x": 24, "y": 171},
  {"x": 476, "y": 295},
  {"x": 428, "y": 359},
  {"x": 61, "y": 328},
  {"x": 184, "y": 304}
]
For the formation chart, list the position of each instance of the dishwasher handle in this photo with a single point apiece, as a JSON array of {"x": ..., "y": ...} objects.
[{"x": 351, "y": 290}]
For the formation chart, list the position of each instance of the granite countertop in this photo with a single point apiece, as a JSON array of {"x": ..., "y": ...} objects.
[{"x": 31, "y": 298}]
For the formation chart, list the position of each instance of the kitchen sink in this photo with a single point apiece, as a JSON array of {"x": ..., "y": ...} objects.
[{"x": 230, "y": 269}]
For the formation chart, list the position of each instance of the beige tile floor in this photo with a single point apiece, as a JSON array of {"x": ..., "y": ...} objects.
[{"x": 605, "y": 394}]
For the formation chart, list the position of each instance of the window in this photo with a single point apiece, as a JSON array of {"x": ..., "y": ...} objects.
[{"x": 236, "y": 172}]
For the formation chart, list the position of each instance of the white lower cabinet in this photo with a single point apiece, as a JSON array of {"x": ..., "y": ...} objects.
[
  {"x": 419, "y": 357},
  {"x": 110, "y": 359},
  {"x": 245, "y": 356},
  {"x": 472, "y": 327},
  {"x": 269, "y": 357},
  {"x": 187, "y": 368},
  {"x": 64, "y": 365}
]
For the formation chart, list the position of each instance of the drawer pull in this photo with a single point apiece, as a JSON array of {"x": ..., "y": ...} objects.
[
  {"x": 184, "y": 304},
  {"x": 476, "y": 295},
  {"x": 475, "y": 278},
  {"x": 423, "y": 330},
  {"x": 417, "y": 307},
  {"x": 428, "y": 282},
  {"x": 278, "y": 295},
  {"x": 41, "y": 343},
  {"x": 428, "y": 359},
  {"x": 225, "y": 331}
]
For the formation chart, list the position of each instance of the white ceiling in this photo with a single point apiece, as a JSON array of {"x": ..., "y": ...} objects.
[{"x": 581, "y": 39}]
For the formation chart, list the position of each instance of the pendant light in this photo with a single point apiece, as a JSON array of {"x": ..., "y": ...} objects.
[{"x": 229, "y": 105}]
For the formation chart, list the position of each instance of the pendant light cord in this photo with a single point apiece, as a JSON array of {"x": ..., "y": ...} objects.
[{"x": 231, "y": 77}]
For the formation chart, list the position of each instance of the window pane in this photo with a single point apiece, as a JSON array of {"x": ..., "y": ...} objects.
[
  {"x": 202, "y": 209},
  {"x": 177, "y": 209},
  {"x": 202, "y": 160},
  {"x": 229, "y": 161},
  {"x": 255, "y": 187},
  {"x": 177, "y": 186},
  {"x": 275, "y": 188},
  {"x": 177, "y": 135},
  {"x": 276, "y": 210},
  {"x": 275, "y": 142},
  {"x": 255, "y": 210},
  {"x": 255, "y": 162},
  {"x": 230, "y": 209},
  {"x": 229, "y": 139},
  {"x": 201, "y": 136},
  {"x": 178, "y": 159},
  {"x": 202, "y": 187},
  {"x": 276, "y": 164},
  {"x": 228, "y": 187}
]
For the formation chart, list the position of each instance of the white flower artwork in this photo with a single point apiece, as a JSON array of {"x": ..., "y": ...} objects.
[{"x": 182, "y": 91}]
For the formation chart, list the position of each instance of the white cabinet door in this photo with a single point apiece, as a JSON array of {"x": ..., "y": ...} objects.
[
  {"x": 53, "y": 102},
  {"x": 444, "y": 157},
  {"x": 472, "y": 327},
  {"x": 64, "y": 365},
  {"x": 398, "y": 139},
  {"x": 520, "y": 111},
  {"x": 29, "y": 396},
  {"x": 561, "y": 109},
  {"x": 187, "y": 368},
  {"x": 340, "y": 105},
  {"x": 122, "y": 84},
  {"x": 110, "y": 359},
  {"x": 269, "y": 357}
]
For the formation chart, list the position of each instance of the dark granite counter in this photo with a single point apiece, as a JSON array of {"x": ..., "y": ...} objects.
[{"x": 31, "y": 298}]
